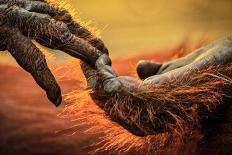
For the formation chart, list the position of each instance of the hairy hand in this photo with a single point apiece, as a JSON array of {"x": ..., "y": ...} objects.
[
  {"x": 140, "y": 105},
  {"x": 24, "y": 20},
  {"x": 215, "y": 54}
]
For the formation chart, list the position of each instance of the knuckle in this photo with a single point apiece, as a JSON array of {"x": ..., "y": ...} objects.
[
  {"x": 98, "y": 43},
  {"x": 103, "y": 60}
]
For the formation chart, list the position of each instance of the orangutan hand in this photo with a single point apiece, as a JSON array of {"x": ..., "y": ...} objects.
[
  {"x": 214, "y": 54},
  {"x": 24, "y": 20},
  {"x": 217, "y": 53},
  {"x": 107, "y": 85}
]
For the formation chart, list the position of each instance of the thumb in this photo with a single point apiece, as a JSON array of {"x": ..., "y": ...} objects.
[{"x": 90, "y": 74}]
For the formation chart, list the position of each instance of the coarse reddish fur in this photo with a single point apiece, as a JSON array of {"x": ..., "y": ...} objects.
[
  {"x": 29, "y": 121},
  {"x": 182, "y": 111}
]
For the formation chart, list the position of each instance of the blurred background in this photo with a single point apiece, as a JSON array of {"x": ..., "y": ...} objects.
[
  {"x": 132, "y": 26},
  {"x": 130, "y": 29}
]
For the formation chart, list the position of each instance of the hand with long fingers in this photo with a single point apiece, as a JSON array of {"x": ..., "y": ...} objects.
[
  {"x": 141, "y": 106},
  {"x": 24, "y": 20},
  {"x": 217, "y": 53}
]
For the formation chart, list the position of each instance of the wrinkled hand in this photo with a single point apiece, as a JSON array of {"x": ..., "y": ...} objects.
[
  {"x": 216, "y": 53},
  {"x": 105, "y": 82},
  {"x": 24, "y": 20}
]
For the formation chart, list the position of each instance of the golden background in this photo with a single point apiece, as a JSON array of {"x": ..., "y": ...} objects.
[{"x": 132, "y": 26}]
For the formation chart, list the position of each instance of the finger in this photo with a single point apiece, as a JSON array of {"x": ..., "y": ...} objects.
[
  {"x": 88, "y": 71},
  {"x": 146, "y": 69},
  {"x": 183, "y": 61},
  {"x": 30, "y": 58},
  {"x": 106, "y": 79},
  {"x": 103, "y": 60},
  {"x": 51, "y": 33},
  {"x": 61, "y": 14},
  {"x": 107, "y": 74},
  {"x": 103, "y": 65},
  {"x": 216, "y": 56},
  {"x": 90, "y": 74},
  {"x": 18, "y": 1}
]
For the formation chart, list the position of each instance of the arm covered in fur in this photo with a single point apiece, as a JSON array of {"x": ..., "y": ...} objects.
[
  {"x": 177, "y": 98},
  {"x": 22, "y": 21}
]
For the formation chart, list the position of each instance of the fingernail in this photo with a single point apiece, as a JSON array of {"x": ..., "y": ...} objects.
[{"x": 58, "y": 101}]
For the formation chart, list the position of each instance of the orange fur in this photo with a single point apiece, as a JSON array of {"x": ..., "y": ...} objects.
[{"x": 181, "y": 122}]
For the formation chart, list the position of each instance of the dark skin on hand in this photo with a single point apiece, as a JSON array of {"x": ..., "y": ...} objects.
[
  {"x": 107, "y": 85},
  {"x": 24, "y": 20},
  {"x": 53, "y": 27}
]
